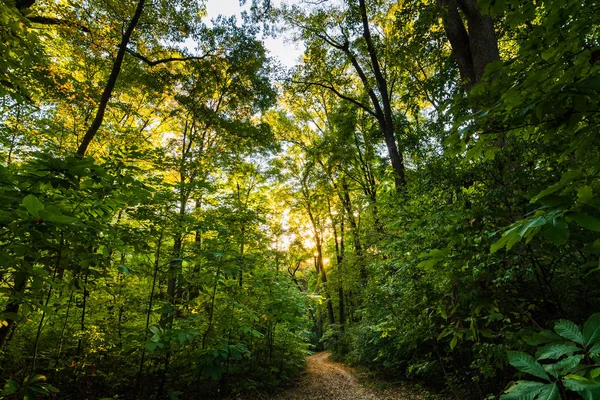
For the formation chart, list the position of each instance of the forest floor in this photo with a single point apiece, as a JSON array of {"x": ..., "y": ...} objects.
[{"x": 325, "y": 379}]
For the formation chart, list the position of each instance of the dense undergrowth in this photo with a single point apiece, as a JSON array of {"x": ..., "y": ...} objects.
[{"x": 419, "y": 199}]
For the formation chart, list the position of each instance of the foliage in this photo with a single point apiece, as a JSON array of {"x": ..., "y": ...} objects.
[
  {"x": 376, "y": 202},
  {"x": 567, "y": 361}
]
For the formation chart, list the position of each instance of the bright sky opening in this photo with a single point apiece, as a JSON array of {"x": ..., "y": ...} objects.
[{"x": 281, "y": 48}]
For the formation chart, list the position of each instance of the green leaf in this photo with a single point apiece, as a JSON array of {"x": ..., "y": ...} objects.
[
  {"x": 595, "y": 349},
  {"x": 234, "y": 353},
  {"x": 48, "y": 387},
  {"x": 569, "y": 330},
  {"x": 453, "y": 342},
  {"x": 585, "y": 220},
  {"x": 523, "y": 390},
  {"x": 542, "y": 337},
  {"x": 567, "y": 178},
  {"x": 433, "y": 258},
  {"x": 56, "y": 218},
  {"x": 585, "y": 194},
  {"x": 526, "y": 363},
  {"x": 33, "y": 205},
  {"x": 557, "y": 232},
  {"x": 36, "y": 378},
  {"x": 578, "y": 383},
  {"x": 591, "y": 330},
  {"x": 151, "y": 346},
  {"x": 556, "y": 351},
  {"x": 429, "y": 264},
  {"x": 549, "y": 392},
  {"x": 590, "y": 394},
  {"x": 565, "y": 366},
  {"x": 212, "y": 371},
  {"x": 10, "y": 387}
]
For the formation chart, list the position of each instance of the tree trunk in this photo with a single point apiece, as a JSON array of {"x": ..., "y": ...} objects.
[
  {"x": 12, "y": 308},
  {"x": 473, "y": 50},
  {"x": 339, "y": 256},
  {"x": 149, "y": 311},
  {"x": 112, "y": 80},
  {"x": 386, "y": 120},
  {"x": 83, "y": 310},
  {"x": 321, "y": 268}
]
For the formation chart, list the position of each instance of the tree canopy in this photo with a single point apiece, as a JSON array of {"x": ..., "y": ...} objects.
[{"x": 180, "y": 218}]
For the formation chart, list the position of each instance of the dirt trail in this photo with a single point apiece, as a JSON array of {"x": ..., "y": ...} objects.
[{"x": 327, "y": 380}]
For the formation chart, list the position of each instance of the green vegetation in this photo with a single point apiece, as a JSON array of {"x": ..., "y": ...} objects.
[{"x": 419, "y": 195}]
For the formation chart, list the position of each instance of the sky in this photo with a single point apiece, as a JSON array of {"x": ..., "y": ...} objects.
[{"x": 287, "y": 53}]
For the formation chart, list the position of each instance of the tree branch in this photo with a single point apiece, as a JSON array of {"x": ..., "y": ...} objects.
[
  {"x": 56, "y": 21},
  {"x": 112, "y": 80},
  {"x": 338, "y": 94},
  {"x": 166, "y": 60}
]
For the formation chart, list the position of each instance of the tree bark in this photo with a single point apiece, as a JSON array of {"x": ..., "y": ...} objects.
[
  {"x": 339, "y": 257},
  {"x": 474, "y": 49},
  {"x": 12, "y": 308},
  {"x": 112, "y": 80},
  {"x": 386, "y": 120}
]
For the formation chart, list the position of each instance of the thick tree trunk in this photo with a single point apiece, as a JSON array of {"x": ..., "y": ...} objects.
[
  {"x": 482, "y": 37},
  {"x": 473, "y": 50},
  {"x": 459, "y": 40}
]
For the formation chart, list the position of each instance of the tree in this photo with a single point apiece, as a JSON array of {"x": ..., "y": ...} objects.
[{"x": 338, "y": 30}]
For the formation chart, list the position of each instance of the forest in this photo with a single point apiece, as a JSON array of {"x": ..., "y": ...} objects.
[{"x": 184, "y": 217}]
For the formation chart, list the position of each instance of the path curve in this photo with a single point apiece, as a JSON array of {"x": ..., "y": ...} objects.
[{"x": 325, "y": 379}]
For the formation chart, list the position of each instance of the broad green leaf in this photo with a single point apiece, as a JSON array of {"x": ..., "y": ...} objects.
[
  {"x": 567, "y": 178},
  {"x": 549, "y": 392},
  {"x": 544, "y": 336},
  {"x": 556, "y": 351},
  {"x": 557, "y": 232},
  {"x": 523, "y": 390},
  {"x": 48, "y": 387},
  {"x": 595, "y": 349},
  {"x": 433, "y": 258},
  {"x": 585, "y": 194},
  {"x": 526, "y": 363},
  {"x": 38, "y": 389},
  {"x": 234, "y": 353},
  {"x": 564, "y": 366},
  {"x": 590, "y": 394},
  {"x": 429, "y": 264},
  {"x": 56, "y": 218},
  {"x": 33, "y": 205},
  {"x": 569, "y": 330},
  {"x": 10, "y": 387},
  {"x": 585, "y": 220},
  {"x": 36, "y": 378},
  {"x": 453, "y": 342},
  {"x": 591, "y": 330},
  {"x": 212, "y": 371},
  {"x": 151, "y": 346},
  {"x": 508, "y": 239},
  {"x": 577, "y": 383}
]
